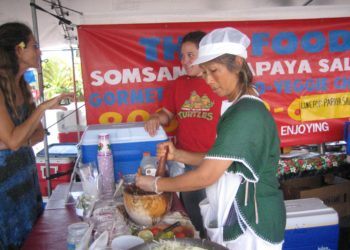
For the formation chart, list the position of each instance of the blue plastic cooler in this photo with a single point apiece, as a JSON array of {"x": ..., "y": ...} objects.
[
  {"x": 128, "y": 142},
  {"x": 310, "y": 225}
]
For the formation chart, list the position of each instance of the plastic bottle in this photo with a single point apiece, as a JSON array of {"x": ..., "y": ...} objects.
[
  {"x": 148, "y": 164},
  {"x": 75, "y": 233},
  {"x": 105, "y": 164}
]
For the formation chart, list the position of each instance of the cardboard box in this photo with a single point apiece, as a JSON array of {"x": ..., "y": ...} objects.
[
  {"x": 292, "y": 187},
  {"x": 336, "y": 193}
]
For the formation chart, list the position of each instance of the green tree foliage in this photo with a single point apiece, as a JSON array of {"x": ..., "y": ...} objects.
[{"x": 58, "y": 78}]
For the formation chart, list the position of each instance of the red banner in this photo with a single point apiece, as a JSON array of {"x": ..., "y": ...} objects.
[{"x": 301, "y": 69}]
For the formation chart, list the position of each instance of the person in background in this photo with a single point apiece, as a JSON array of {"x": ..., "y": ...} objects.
[
  {"x": 197, "y": 110},
  {"x": 244, "y": 208},
  {"x": 31, "y": 79},
  {"x": 20, "y": 127}
]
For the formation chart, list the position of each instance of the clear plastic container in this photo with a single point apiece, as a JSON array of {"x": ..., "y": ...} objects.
[
  {"x": 148, "y": 164},
  {"x": 129, "y": 179},
  {"x": 75, "y": 233},
  {"x": 105, "y": 164}
]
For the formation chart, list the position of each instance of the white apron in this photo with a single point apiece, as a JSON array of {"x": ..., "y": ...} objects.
[
  {"x": 216, "y": 206},
  {"x": 215, "y": 209}
]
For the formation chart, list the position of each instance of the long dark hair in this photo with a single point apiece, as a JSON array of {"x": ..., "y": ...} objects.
[
  {"x": 245, "y": 74},
  {"x": 11, "y": 35}
]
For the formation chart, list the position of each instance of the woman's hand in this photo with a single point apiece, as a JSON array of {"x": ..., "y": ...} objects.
[
  {"x": 145, "y": 182},
  {"x": 54, "y": 103},
  {"x": 172, "y": 153},
  {"x": 152, "y": 125}
]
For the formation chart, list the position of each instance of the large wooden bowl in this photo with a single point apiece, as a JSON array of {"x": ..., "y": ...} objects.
[{"x": 146, "y": 208}]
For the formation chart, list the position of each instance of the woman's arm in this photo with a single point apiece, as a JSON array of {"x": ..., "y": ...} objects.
[
  {"x": 16, "y": 136},
  {"x": 162, "y": 117},
  {"x": 165, "y": 116},
  {"x": 186, "y": 157},
  {"x": 203, "y": 176},
  {"x": 37, "y": 136}
]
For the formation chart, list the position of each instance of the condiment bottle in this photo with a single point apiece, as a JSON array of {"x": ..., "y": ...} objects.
[
  {"x": 148, "y": 164},
  {"x": 105, "y": 164},
  {"x": 75, "y": 233}
]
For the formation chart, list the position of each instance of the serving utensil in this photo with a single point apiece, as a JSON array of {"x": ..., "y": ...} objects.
[
  {"x": 161, "y": 169},
  {"x": 167, "y": 229}
]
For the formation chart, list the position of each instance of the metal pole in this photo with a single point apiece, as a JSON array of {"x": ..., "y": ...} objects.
[
  {"x": 75, "y": 93},
  {"x": 41, "y": 90}
]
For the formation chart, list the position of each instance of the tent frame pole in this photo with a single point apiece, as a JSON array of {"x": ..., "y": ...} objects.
[
  {"x": 41, "y": 90},
  {"x": 75, "y": 92}
]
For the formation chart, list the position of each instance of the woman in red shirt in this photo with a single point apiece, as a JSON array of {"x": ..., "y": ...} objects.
[{"x": 197, "y": 110}]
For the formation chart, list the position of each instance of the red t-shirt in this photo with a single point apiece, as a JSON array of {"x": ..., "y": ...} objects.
[{"x": 197, "y": 109}]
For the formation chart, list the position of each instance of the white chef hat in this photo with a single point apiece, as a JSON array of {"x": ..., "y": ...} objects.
[{"x": 222, "y": 41}]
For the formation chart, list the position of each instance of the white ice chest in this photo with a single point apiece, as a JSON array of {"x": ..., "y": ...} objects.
[{"x": 311, "y": 225}]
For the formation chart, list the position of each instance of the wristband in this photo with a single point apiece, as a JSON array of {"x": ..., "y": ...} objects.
[{"x": 155, "y": 185}]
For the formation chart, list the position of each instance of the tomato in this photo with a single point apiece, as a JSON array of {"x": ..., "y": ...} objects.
[
  {"x": 155, "y": 230},
  {"x": 188, "y": 232},
  {"x": 180, "y": 235},
  {"x": 177, "y": 229}
]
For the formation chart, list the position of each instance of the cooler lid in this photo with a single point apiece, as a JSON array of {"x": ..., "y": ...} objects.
[
  {"x": 55, "y": 160},
  {"x": 121, "y": 133},
  {"x": 63, "y": 150},
  {"x": 310, "y": 212}
]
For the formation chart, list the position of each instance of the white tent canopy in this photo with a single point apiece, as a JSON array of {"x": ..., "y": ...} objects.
[{"x": 51, "y": 33}]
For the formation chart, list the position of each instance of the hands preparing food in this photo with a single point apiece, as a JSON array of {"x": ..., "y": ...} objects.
[{"x": 149, "y": 183}]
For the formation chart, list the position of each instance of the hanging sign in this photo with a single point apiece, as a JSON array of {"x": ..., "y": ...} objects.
[{"x": 302, "y": 72}]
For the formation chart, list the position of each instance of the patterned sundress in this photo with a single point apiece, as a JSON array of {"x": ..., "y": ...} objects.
[{"x": 21, "y": 200}]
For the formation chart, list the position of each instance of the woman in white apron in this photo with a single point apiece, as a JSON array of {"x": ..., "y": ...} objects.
[{"x": 244, "y": 208}]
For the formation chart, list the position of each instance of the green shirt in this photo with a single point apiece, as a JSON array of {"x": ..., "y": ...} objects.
[{"x": 247, "y": 134}]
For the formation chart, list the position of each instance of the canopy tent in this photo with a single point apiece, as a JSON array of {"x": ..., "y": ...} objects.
[{"x": 78, "y": 12}]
